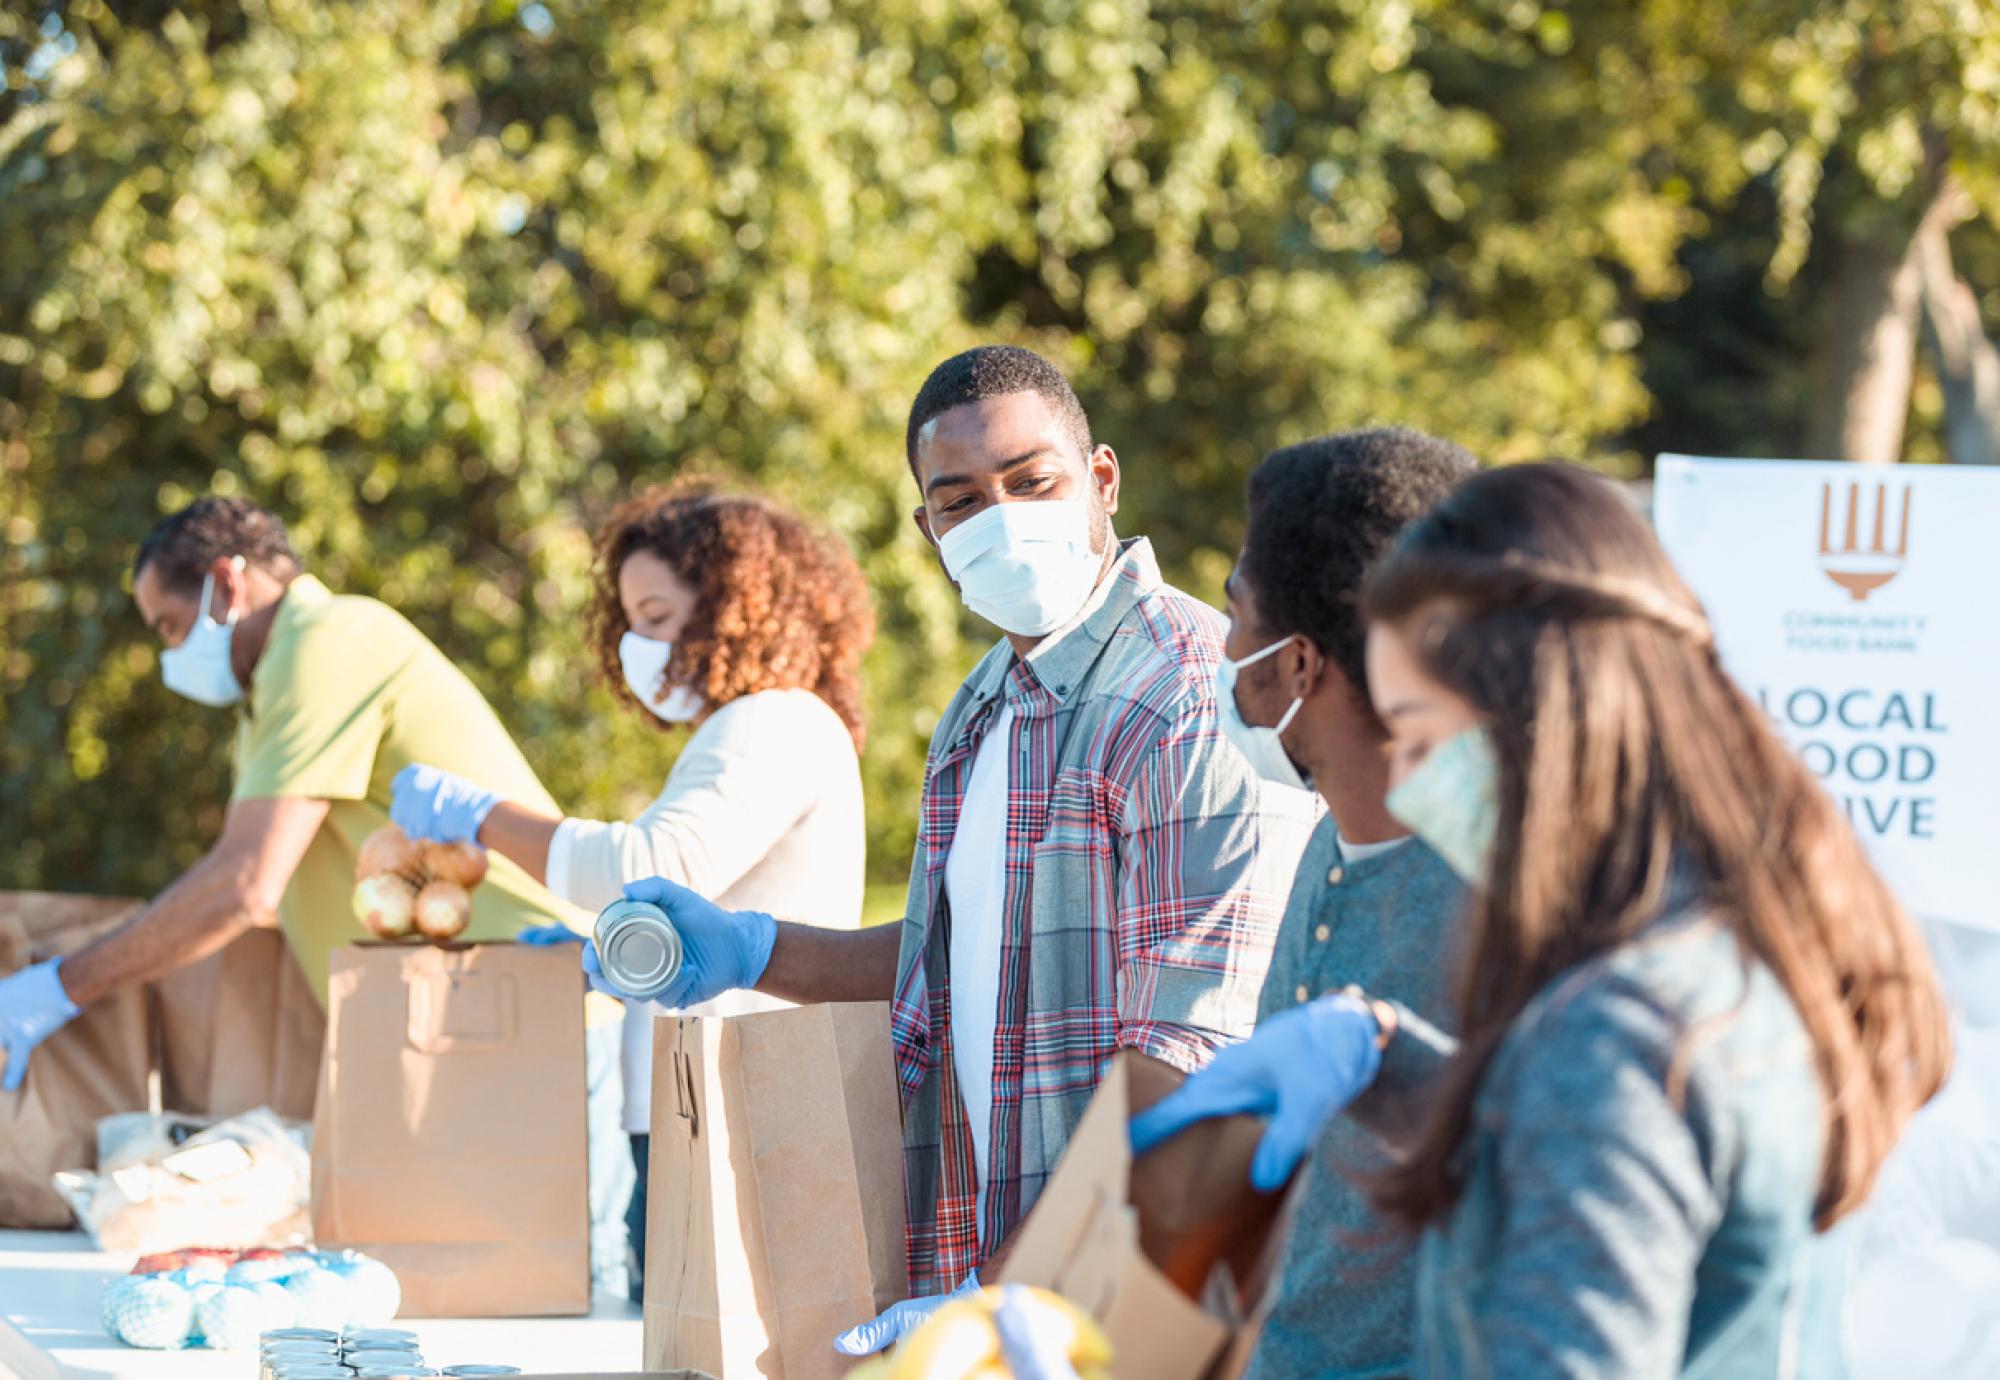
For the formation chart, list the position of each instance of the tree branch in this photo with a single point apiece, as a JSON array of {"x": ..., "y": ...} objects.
[{"x": 1968, "y": 362}]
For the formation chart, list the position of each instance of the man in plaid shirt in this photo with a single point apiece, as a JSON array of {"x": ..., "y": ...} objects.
[{"x": 1097, "y": 868}]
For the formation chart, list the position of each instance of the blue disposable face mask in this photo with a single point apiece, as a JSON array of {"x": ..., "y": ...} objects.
[
  {"x": 644, "y": 661},
  {"x": 1026, "y": 566},
  {"x": 199, "y": 668},
  {"x": 1451, "y": 800},
  {"x": 1261, "y": 745}
]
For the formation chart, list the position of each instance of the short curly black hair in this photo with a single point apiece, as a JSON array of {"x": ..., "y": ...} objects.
[
  {"x": 182, "y": 547},
  {"x": 1322, "y": 513},
  {"x": 993, "y": 371}
]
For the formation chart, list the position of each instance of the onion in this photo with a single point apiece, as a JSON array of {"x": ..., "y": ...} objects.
[
  {"x": 464, "y": 863},
  {"x": 443, "y": 910},
  {"x": 389, "y": 849},
  {"x": 385, "y": 905}
]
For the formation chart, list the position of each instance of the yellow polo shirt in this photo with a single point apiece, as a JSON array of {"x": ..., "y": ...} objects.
[{"x": 346, "y": 695}]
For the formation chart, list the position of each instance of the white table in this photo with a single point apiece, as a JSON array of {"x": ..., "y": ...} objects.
[{"x": 50, "y": 1283}]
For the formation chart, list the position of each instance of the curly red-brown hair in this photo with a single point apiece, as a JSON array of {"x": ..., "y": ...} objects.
[{"x": 779, "y": 605}]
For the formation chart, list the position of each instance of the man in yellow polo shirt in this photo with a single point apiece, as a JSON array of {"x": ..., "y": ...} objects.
[{"x": 338, "y": 694}]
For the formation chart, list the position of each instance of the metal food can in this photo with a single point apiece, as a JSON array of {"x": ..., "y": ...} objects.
[
  {"x": 357, "y": 1345},
  {"x": 298, "y": 1334},
  {"x": 379, "y": 1334},
  {"x": 637, "y": 946},
  {"x": 277, "y": 1359},
  {"x": 323, "y": 1370},
  {"x": 385, "y": 1356},
  {"x": 473, "y": 1372},
  {"x": 396, "y": 1372}
]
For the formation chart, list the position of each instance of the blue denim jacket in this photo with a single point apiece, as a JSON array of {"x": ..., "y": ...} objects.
[{"x": 1615, "y": 1222}]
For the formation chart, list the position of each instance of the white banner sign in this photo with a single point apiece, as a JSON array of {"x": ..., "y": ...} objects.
[{"x": 1859, "y": 605}]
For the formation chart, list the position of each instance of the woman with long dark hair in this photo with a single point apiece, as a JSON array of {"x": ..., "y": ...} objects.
[{"x": 1694, "y": 1020}]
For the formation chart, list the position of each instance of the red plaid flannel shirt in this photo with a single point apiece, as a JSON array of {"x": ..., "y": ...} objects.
[{"x": 1147, "y": 870}]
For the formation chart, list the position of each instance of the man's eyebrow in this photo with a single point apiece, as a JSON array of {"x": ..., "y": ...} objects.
[
  {"x": 944, "y": 480},
  {"x": 1401, "y": 707}
]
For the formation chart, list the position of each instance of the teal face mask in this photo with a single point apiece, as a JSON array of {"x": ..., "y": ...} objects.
[{"x": 1451, "y": 800}]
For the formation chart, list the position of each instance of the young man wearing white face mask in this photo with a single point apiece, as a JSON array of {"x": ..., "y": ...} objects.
[
  {"x": 1372, "y": 906},
  {"x": 725, "y": 617},
  {"x": 335, "y": 693},
  {"x": 1096, "y": 869}
]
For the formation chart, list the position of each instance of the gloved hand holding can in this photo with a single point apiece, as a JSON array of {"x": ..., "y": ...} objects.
[{"x": 663, "y": 943}]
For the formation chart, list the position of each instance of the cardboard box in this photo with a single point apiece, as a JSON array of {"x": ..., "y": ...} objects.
[{"x": 1104, "y": 1236}]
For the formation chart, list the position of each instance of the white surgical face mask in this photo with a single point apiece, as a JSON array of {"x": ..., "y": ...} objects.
[
  {"x": 1026, "y": 566},
  {"x": 1262, "y": 746},
  {"x": 199, "y": 668},
  {"x": 644, "y": 660}
]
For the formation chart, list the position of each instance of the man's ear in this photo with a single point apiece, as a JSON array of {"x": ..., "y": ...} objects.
[
  {"x": 1305, "y": 667},
  {"x": 921, "y": 516},
  {"x": 226, "y": 575},
  {"x": 1103, "y": 466}
]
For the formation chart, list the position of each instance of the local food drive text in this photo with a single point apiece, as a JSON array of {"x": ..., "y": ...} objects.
[{"x": 1875, "y": 751}]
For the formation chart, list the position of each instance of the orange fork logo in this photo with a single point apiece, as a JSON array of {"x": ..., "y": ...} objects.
[{"x": 1854, "y": 549}]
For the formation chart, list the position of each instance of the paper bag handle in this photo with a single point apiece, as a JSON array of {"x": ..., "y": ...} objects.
[
  {"x": 461, "y": 1013},
  {"x": 684, "y": 1097}
]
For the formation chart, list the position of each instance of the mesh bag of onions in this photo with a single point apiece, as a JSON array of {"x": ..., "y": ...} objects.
[{"x": 403, "y": 887}]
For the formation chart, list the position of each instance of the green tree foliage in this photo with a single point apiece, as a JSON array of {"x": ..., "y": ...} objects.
[{"x": 441, "y": 281}]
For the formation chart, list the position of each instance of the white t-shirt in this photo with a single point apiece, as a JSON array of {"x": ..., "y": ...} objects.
[
  {"x": 975, "y": 887},
  {"x": 1362, "y": 852},
  {"x": 762, "y": 811}
]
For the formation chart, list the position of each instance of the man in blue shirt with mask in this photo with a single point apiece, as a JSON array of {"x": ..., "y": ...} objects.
[{"x": 1371, "y": 906}]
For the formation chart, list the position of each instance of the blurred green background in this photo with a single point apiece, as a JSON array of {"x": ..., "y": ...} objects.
[{"x": 439, "y": 281}]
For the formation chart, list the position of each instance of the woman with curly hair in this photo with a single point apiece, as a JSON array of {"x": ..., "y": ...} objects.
[{"x": 727, "y": 615}]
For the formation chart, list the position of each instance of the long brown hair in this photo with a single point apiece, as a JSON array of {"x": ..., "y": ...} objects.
[
  {"x": 1539, "y": 594},
  {"x": 778, "y": 605}
]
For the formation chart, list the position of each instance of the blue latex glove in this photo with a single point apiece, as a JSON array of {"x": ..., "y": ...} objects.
[
  {"x": 721, "y": 950},
  {"x": 1298, "y": 1069},
  {"x": 898, "y": 1321},
  {"x": 33, "y": 1006},
  {"x": 431, "y": 803},
  {"x": 548, "y": 936},
  {"x": 1026, "y": 1343}
]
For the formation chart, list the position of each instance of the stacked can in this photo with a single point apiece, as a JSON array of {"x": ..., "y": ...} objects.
[
  {"x": 300, "y": 1353},
  {"x": 372, "y": 1353},
  {"x": 383, "y": 1353}
]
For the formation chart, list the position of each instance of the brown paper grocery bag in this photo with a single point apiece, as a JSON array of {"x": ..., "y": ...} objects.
[
  {"x": 1114, "y": 1238},
  {"x": 776, "y": 1190},
  {"x": 94, "y": 1066},
  {"x": 448, "y": 1137},
  {"x": 241, "y": 1029}
]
